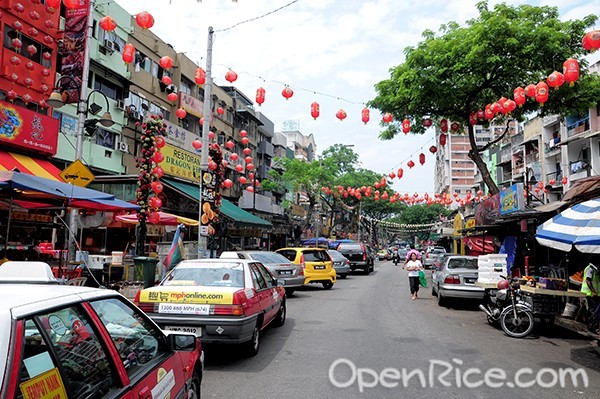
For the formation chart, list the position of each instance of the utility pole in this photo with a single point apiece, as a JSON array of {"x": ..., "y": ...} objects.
[
  {"x": 207, "y": 115},
  {"x": 81, "y": 115}
]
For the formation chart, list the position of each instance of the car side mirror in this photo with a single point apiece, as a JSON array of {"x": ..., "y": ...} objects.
[{"x": 182, "y": 342}]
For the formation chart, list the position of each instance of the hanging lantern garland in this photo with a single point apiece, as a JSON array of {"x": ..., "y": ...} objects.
[{"x": 148, "y": 185}]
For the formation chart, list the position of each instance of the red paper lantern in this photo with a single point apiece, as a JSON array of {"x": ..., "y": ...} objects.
[
  {"x": 480, "y": 114},
  {"x": 197, "y": 144},
  {"x": 227, "y": 183},
  {"x": 473, "y": 118},
  {"x": 443, "y": 138},
  {"x": 260, "y": 96},
  {"x": 454, "y": 126},
  {"x": 239, "y": 168},
  {"x": 287, "y": 92},
  {"x": 156, "y": 186},
  {"x": 211, "y": 135},
  {"x": 71, "y": 4},
  {"x": 427, "y": 122},
  {"x": 144, "y": 19},
  {"x": 108, "y": 23},
  {"x": 159, "y": 142},
  {"x": 180, "y": 113},
  {"x": 541, "y": 93},
  {"x": 154, "y": 218},
  {"x": 433, "y": 149},
  {"x": 11, "y": 95},
  {"x": 315, "y": 110},
  {"x": 34, "y": 15},
  {"x": 591, "y": 40},
  {"x": 158, "y": 157},
  {"x": 34, "y": 32},
  {"x": 444, "y": 125},
  {"x": 555, "y": 79},
  {"x": 166, "y": 80},
  {"x": 387, "y": 117},
  {"x": 571, "y": 70},
  {"x": 249, "y": 166},
  {"x": 400, "y": 173},
  {"x": 405, "y": 126},
  {"x": 244, "y": 141},
  {"x": 552, "y": 182},
  {"x": 341, "y": 114},
  {"x": 509, "y": 106},
  {"x": 242, "y": 179},
  {"x": 365, "y": 115},
  {"x": 234, "y": 156},
  {"x": 410, "y": 164},
  {"x": 489, "y": 114},
  {"x": 564, "y": 180},
  {"x": 155, "y": 202},
  {"x": 248, "y": 159},
  {"x": 53, "y": 4},
  {"x": 496, "y": 107},
  {"x": 220, "y": 110},
  {"x": 18, "y": 26},
  {"x": 530, "y": 90},
  {"x": 32, "y": 50},
  {"x": 422, "y": 159},
  {"x": 229, "y": 144},
  {"x": 392, "y": 175},
  {"x": 231, "y": 76},
  {"x": 243, "y": 133},
  {"x": 128, "y": 53},
  {"x": 172, "y": 97},
  {"x": 200, "y": 76},
  {"x": 166, "y": 62},
  {"x": 519, "y": 96},
  {"x": 158, "y": 171},
  {"x": 16, "y": 44}
]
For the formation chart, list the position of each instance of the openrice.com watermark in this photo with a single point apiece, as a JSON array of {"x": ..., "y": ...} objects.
[{"x": 343, "y": 373}]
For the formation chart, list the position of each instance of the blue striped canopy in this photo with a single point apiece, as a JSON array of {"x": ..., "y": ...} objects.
[{"x": 578, "y": 226}]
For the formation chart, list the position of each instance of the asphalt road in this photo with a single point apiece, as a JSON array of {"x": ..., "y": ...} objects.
[{"x": 368, "y": 328}]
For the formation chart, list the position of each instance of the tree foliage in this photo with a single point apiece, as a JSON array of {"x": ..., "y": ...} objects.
[{"x": 463, "y": 68}]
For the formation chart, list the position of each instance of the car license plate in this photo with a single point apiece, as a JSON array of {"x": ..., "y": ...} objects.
[
  {"x": 470, "y": 280},
  {"x": 193, "y": 330},
  {"x": 319, "y": 267},
  {"x": 285, "y": 272}
]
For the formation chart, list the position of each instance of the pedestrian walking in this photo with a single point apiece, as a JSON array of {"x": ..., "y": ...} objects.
[{"x": 414, "y": 266}]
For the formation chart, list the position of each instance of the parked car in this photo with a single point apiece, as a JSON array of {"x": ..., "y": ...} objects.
[
  {"x": 340, "y": 263},
  {"x": 359, "y": 255},
  {"x": 227, "y": 301},
  {"x": 80, "y": 342},
  {"x": 456, "y": 278},
  {"x": 316, "y": 263},
  {"x": 431, "y": 255},
  {"x": 440, "y": 260},
  {"x": 291, "y": 275},
  {"x": 383, "y": 254}
]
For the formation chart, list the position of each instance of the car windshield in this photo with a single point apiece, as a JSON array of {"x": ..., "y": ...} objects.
[
  {"x": 315, "y": 256},
  {"x": 462, "y": 263},
  {"x": 207, "y": 275},
  {"x": 438, "y": 251},
  {"x": 269, "y": 257}
]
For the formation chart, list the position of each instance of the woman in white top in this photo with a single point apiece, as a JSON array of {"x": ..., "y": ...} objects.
[{"x": 413, "y": 266}]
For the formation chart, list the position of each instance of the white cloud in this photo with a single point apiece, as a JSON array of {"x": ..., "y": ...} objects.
[{"x": 341, "y": 48}]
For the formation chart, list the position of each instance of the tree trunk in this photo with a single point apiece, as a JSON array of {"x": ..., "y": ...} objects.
[
  {"x": 140, "y": 243},
  {"x": 476, "y": 157}
]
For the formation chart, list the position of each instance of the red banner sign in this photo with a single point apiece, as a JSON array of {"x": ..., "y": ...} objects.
[
  {"x": 76, "y": 21},
  {"x": 20, "y": 127}
]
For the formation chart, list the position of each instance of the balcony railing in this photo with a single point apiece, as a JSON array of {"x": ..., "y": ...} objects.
[
  {"x": 532, "y": 157},
  {"x": 580, "y": 126}
]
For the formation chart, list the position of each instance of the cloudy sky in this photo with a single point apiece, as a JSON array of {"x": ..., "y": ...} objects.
[{"x": 329, "y": 51}]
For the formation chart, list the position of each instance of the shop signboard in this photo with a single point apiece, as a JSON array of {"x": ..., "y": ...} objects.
[
  {"x": 180, "y": 163},
  {"x": 208, "y": 209},
  {"x": 458, "y": 225},
  {"x": 511, "y": 199},
  {"x": 27, "y": 129},
  {"x": 191, "y": 105},
  {"x": 488, "y": 211},
  {"x": 179, "y": 137},
  {"x": 73, "y": 55}
]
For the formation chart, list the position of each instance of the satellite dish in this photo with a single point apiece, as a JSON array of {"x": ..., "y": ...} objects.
[{"x": 92, "y": 220}]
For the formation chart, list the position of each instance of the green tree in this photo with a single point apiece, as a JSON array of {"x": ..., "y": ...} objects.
[
  {"x": 463, "y": 68},
  {"x": 418, "y": 215}
]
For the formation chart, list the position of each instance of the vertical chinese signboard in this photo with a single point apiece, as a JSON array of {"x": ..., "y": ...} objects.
[
  {"x": 75, "y": 37},
  {"x": 208, "y": 212}
]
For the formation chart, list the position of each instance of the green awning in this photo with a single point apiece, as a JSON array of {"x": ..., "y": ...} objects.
[{"x": 228, "y": 209}]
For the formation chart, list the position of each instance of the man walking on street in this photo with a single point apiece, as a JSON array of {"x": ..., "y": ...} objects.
[{"x": 590, "y": 286}]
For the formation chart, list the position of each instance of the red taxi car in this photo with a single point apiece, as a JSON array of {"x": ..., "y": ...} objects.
[
  {"x": 61, "y": 341},
  {"x": 220, "y": 300}
]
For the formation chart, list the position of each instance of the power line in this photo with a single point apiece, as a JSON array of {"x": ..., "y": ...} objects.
[{"x": 259, "y": 17}]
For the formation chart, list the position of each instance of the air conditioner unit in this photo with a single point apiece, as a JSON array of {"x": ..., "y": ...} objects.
[
  {"x": 109, "y": 45},
  {"x": 120, "y": 104},
  {"x": 123, "y": 146}
]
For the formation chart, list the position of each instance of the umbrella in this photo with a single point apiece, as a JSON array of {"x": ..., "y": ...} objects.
[
  {"x": 166, "y": 219},
  {"x": 578, "y": 226}
]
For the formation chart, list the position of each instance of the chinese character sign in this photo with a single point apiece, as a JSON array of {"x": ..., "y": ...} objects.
[{"x": 20, "y": 127}]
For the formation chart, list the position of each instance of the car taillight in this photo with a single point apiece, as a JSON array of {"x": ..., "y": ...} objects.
[
  {"x": 136, "y": 299},
  {"x": 235, "y": 309},
  {"x": 452, "y": 279},
  {"x": 301, "y": 269},
  {"x": 347, "y": 262}
]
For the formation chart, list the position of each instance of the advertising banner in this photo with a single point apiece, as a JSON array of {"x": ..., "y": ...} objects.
[
  {"x": 192, "y": 105},
  {"x": 488, "y": 211},
  {"x": 179, "y": 137},
  {"x": 511, "y": 199},
  {"x": 75, "y": 36},
  {"x": 180, "y": 163},
  {"x": 208, "y": 213},
  {"x": 23, "y": 128}
]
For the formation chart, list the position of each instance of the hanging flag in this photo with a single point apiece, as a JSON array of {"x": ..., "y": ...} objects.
[{"x": 176, "y": 252}]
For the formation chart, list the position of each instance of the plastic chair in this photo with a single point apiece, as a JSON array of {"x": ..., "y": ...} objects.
[{"x": 79, "y": 281}]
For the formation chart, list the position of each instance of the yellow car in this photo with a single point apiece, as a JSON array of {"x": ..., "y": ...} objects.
[{"x": 315, "y": 262}]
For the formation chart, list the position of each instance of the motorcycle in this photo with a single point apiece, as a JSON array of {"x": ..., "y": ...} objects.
[
  {"x": 395, "y": 258},
  {"x": 507, "y": 307}
]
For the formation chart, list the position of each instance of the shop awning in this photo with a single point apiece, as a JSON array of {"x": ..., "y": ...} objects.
[
  {"x": 228, "y": 209},
  {"x": 31, "y": 166}
]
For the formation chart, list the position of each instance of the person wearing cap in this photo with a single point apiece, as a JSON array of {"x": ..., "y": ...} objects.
[{"x": 590, "y": 286}]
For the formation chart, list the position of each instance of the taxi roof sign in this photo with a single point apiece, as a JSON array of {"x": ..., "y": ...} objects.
[{"x": 77, "y": 174}]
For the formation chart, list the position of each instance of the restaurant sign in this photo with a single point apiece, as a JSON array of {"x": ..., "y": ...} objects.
[
  {"x": 27, "y": 129},
  {"x": 180, "y": 163},
  {"x": 511, "y": 199},
  {"x": 179, "y": 137},
  {"x": 191, "y": 105}
]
